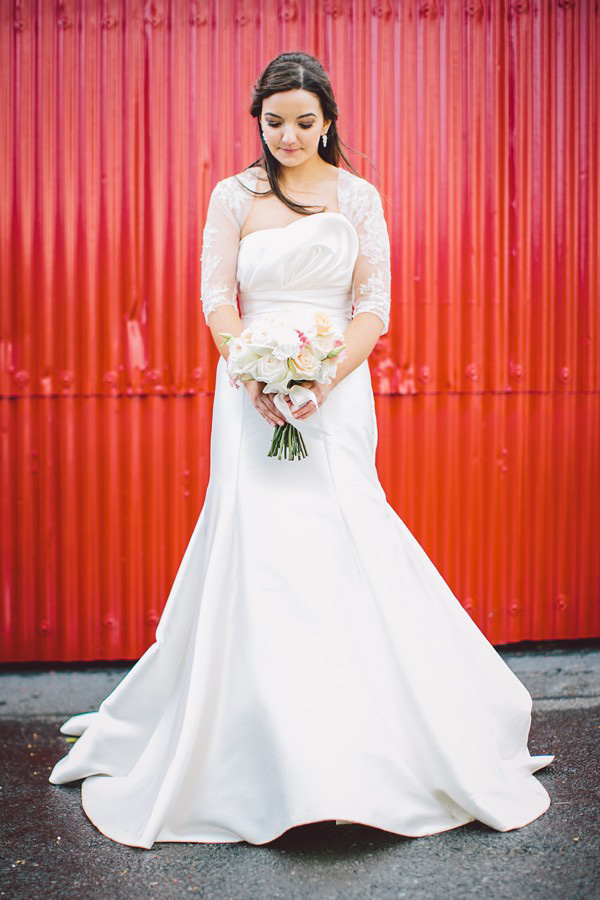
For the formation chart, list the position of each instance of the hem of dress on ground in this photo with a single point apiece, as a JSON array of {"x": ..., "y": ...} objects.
[{"x": 468, "y": 819}]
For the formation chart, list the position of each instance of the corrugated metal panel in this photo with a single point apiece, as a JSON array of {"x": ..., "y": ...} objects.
[{"x": 116, "y": 120}]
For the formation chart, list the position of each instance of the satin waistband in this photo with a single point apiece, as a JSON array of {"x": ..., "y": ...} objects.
[{"x": 305, "y": 304}]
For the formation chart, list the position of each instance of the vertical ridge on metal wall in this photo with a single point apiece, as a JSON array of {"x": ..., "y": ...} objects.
[{"x": 478, "y": 123}]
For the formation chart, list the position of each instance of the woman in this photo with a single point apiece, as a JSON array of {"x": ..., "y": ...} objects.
[{"x": 311, "y": 663}]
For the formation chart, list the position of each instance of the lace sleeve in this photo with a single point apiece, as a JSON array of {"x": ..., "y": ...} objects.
[
  {"x": 371, "y": 283},
  {"x": 220, "y": 244}
]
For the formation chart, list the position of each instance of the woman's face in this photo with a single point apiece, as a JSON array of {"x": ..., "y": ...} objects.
[{"x": 292, "y": 123}]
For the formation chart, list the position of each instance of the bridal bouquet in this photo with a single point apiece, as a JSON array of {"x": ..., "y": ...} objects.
[{"x": 282, "y": 355}]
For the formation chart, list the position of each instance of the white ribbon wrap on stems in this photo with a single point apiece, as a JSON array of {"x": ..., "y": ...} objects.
[{"x": 299, "y": 395}]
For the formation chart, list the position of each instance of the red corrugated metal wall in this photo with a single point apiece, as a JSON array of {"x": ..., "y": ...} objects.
[{"x": 116, "y": 119}]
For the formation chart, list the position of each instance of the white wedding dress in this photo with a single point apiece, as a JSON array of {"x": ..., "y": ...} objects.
[{"x": 310, "y": 663}]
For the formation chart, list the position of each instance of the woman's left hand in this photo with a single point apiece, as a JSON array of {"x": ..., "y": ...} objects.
[{"x": 321, "y": 392}]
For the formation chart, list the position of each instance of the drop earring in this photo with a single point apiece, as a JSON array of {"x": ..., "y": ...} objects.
[{"x": 324, "y": 136}]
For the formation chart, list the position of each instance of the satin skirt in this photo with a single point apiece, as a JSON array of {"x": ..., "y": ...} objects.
[{"x": 310, "y": 663}]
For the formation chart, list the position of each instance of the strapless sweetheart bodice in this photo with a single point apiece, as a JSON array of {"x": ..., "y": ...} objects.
[{"x": 301, "y": 267}]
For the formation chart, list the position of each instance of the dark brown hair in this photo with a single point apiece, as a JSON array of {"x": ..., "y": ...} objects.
[{"x": 289, "y": 72}]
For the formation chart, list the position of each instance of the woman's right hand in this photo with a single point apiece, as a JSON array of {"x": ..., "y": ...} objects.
[{"x": 263, "y": 402}]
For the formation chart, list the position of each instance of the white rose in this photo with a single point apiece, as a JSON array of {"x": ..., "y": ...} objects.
[
  {"x": 287, "y": 342},
  {"x": 323, "y": 344},
  {"x": 240, "y": 356},
  {"x": 269, "y": 369},
  {"x": 328, "y": 368},
  {"x": 236, "y": 346},
  {"x": 263, "y": 338}
]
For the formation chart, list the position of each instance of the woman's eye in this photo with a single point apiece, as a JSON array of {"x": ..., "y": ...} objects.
[{"x": 276, "y": 125}]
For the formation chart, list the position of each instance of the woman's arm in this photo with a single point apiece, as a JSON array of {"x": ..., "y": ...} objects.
[
  {"x": 361, "y": 335},
  {"x": 371, "y": 281},
  {"x": 226, "y": 319},
  {"x": 220, "y": 247}
]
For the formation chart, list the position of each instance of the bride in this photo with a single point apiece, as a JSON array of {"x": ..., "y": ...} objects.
[{"x": 310, "y": 663}]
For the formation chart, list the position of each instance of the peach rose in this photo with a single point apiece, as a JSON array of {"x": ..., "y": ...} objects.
[
  {"x": 305, "y": 365},
  {"x": 322, "y": 324}
]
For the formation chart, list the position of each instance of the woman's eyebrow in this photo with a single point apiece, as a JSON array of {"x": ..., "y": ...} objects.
[{"x": 279, "y": 117}]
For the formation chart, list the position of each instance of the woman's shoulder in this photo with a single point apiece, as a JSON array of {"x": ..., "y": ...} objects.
[
  {"x": 249, "y": 177},
  {"x": 356, "y": 195},
  {"x": 232, "y": 190},
  {"x": 231, "y": 193},
  {"x": 356, "y": 182}
]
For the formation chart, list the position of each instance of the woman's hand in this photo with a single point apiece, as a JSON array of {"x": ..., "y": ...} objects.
[
  {"x": 263, "y": 402},
  {"x": 321, "y": 392}
]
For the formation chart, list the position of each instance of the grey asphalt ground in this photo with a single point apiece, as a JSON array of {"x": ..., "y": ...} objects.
[{"x": 49, "y": 848}]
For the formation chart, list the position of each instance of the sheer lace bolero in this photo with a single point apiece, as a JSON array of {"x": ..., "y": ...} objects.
[{"x": 358, "y": 200}]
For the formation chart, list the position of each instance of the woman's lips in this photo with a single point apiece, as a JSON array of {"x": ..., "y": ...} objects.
[{"x": 285, "y": 150}]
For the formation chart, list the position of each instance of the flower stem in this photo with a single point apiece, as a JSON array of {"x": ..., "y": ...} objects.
[{"x": 287, "y": 440}]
